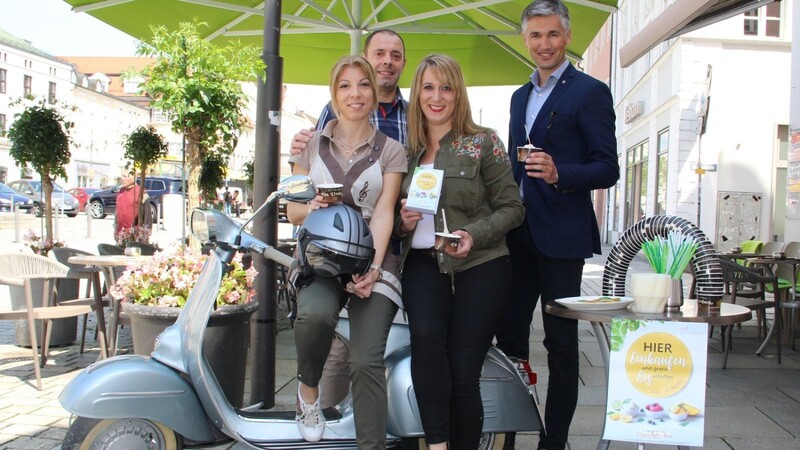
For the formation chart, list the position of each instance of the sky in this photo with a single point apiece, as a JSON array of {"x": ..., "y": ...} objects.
[{"x": 51, "y": 26}]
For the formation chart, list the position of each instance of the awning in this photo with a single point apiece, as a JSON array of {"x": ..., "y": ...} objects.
[{"x": 682, "y": 16}]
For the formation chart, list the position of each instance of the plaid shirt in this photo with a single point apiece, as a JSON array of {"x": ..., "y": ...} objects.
[{"x": 392, "y": 118}]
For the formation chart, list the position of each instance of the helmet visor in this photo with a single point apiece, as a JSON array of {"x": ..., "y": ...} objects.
[{"x": 329, "y": 263}]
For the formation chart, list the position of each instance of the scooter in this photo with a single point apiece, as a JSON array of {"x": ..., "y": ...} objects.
[{"x": 172, "y": 400}]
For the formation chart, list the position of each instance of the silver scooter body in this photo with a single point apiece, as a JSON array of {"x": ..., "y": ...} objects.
[{"x": 175, "y": 386}]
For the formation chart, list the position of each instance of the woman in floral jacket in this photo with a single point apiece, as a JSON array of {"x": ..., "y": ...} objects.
[{"x": 455, "y": 297}]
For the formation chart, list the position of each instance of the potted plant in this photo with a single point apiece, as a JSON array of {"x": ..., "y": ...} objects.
[
  {"x": 153, "y": 291},
  {"x": 136, "y": 233}
]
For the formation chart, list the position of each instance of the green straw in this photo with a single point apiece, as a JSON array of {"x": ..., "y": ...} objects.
[
  {"x": 671, "y": 255},
  {"x": 656, "y": 252}
]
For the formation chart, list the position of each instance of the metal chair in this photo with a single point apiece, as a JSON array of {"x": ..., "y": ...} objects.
[
  {"x": 735, "y": 277},
  {"x": 21, "y": 272}
]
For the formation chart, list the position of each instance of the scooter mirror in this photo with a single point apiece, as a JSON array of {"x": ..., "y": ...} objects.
[
  {"x": 297, "y": 188},
  {"x": 199, "y": 226}
]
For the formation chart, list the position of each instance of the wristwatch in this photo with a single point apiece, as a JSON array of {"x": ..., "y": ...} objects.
[{"x": 379, "y": 269}]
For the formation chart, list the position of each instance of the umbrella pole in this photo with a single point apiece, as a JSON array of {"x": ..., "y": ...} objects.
[{"x": 266, "y": 171}]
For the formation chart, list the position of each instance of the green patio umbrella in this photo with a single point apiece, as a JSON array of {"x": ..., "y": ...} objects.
[
  {"x": 304, "y": 38},
  {"x": 483, "y": 35}
]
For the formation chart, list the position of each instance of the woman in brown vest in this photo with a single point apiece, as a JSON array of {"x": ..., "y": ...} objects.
[{"x": 370, "y": 166}]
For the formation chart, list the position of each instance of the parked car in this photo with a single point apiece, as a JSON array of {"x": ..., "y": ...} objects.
[
  {"x": 82, "y": 195},
  {"x": 10, "y": 197},
  {"x": 59, "y": 200},
  {"x": 104, "y": 202}
]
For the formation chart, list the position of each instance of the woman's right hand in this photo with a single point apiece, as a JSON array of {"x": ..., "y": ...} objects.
[
  {"x": 317, "y": 203},
  {"x": 408, "y": 218}
]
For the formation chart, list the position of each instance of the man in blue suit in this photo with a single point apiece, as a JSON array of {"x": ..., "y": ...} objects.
[{"x": 570, "y": 117}]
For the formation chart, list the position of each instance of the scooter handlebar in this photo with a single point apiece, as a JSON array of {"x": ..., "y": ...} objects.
[{"x": 280, "y": 257}]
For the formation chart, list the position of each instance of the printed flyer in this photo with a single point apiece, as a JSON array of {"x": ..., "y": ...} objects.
[{"x": 657, "y": 382}]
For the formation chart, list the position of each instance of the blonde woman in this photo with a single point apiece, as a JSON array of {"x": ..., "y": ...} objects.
[
  {"x": 454, "y": 298},
  {"x": 370, "y": 166}
]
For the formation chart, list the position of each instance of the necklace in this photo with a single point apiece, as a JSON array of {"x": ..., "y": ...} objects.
[{"x": 347, "y": 146}]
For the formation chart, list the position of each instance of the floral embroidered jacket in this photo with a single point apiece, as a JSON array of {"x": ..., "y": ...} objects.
[{"x": 479, "y": 194}]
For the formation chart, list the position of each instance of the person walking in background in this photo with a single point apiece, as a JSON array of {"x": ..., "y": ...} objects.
[
  {"x": 127, "y": 205},
  {"x": 370, "y": 166},
  {"x": 454, "y": 297},
  {"x": 570, "y": 116},
  {"x": 235, "y": 203},
  {"x": 226, "y": 201}
]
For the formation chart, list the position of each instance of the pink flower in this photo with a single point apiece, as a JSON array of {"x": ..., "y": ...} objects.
[{"x": 167, "y": 278}]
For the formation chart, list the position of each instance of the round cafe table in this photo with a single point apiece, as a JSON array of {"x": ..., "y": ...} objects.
[{"x": 728, "y": 314}]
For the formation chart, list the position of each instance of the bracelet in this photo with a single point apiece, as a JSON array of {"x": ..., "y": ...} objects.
[{"x": 379, "y": 269}]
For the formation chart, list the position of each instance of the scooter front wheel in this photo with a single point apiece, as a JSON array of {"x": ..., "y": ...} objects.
[{"x": 120, "y": 434}]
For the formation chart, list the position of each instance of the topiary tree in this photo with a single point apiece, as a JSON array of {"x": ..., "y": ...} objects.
[
  {"x": 144, "y": 147},
  {"x": 40, "y": 137},
  {"x": 199, "y": 84},
  {"x": 212, "y": 175},
  {"x": 249, "y": 173}
]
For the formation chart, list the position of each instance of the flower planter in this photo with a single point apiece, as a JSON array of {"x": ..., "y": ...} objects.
[{"x": 224, "y": 345}]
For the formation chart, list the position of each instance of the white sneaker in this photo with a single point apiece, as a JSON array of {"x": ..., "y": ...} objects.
[{"x": 310, "y": 420}]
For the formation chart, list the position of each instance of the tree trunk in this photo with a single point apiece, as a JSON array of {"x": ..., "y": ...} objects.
[
  {"x": 194, "y": 158},
  {"x": 47, "y": 197},
  {"x": 141, "y": 218}
]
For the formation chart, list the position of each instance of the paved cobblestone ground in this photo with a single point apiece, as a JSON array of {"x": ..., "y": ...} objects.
[{"x": 751, "y": 405}]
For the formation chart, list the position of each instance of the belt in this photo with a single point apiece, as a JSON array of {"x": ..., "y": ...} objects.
[{"x": 429, "y": 252}]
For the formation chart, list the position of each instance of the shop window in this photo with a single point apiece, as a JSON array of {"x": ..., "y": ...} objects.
[
  {"x": 764, "y": 21},
  {"x": 661, "y": 170},
  {"x": 636, "y": 184}
]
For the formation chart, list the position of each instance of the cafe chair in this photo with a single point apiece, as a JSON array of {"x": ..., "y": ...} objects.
[
  {"x": 753, "y": 247},
  {"x": 772, "y": 247},
  {"x": 21, "y": 272},
  {"x": 147, "y": 249},
  {"x": 69, "y": 286},
  {"x": 735, "y": 277},
  {"x": 109, "y": 249},
  {"x": 785, "y": 272}
]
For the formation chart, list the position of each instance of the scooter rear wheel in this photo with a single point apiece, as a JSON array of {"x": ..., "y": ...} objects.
[{"x": 120, "y": 434}]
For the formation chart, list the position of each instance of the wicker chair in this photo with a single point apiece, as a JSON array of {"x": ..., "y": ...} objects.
[{"x": 19, "y": 271}]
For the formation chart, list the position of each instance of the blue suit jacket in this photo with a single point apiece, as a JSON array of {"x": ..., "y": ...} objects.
[{"x": 576, "y": 127}]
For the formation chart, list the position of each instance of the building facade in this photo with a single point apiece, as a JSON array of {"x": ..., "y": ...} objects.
[
  {"x": 703, "y": 124},
  {"x": 105, "y": 91}
]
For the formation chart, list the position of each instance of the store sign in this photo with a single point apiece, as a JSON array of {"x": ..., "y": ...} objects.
[
  {"x": 633, "y": 111},
  {"x": 656, "y": 382}
]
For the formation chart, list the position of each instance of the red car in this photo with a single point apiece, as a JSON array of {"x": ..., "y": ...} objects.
[{"x": 82, "y": 194}]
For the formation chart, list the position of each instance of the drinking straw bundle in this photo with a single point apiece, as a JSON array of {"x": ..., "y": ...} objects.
[{"x": 670, "y": 255}]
